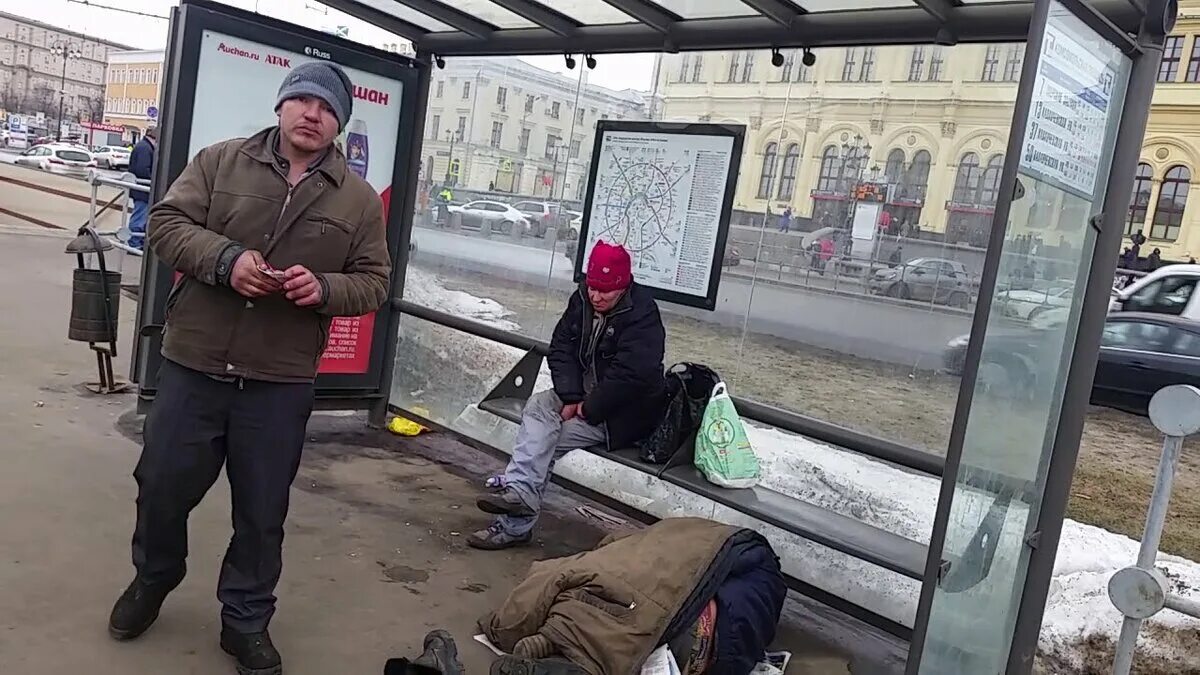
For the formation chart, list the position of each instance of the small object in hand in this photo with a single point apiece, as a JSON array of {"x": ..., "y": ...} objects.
[{"x": 278, "y": 275}]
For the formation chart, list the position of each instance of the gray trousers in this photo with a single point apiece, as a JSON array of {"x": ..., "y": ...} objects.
[{"x": 541, "y": 440}]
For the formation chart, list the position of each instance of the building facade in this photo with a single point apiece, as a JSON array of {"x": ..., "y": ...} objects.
[
  {"x": 930, "y": 124},
  {"x": 133, "y": 90},
  {"x": 32, "y": 73},
  {"x": 506, "y": 125}
]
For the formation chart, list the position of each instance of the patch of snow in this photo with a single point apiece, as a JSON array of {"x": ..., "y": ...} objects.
[{"x": 426, "y": 290}]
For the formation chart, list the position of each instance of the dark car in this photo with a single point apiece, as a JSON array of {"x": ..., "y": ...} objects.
[
  {"x": 1140, "y": 353},
  {"x": 935, "y": 279}
]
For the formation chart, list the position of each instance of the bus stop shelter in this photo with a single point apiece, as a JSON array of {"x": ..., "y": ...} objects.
[{"x": 1080, "y": 113}]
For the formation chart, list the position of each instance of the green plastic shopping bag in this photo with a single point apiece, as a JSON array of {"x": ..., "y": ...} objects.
[{"x": 723, "y": 452}]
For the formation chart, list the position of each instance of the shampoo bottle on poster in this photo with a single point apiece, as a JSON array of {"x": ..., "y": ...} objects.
[{"x": 356, "y": 147}]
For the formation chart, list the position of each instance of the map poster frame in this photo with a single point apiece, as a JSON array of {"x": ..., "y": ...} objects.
[{"x": 729, "y": 140}]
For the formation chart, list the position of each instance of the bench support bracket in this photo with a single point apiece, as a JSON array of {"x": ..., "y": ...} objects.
[{"x": 518, "y": 382}]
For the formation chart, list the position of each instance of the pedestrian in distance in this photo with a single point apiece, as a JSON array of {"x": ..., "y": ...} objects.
[
  {"x": 141, "y": 165},
  {"x": 273, "y": 236},
  {"x": 606, "y": 361},
  {"x": 785, "y": 220}
]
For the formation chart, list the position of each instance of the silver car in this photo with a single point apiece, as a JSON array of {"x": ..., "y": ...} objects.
[
  {"x": 929, "y": 279},
  {"x": 62, "y": 158},
  {"x": 498, "y": 216}
]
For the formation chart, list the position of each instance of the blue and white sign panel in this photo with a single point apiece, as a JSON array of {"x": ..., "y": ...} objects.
[
  {"x": 152, "y": 112},
  {"x": 1068, "y": 119}
]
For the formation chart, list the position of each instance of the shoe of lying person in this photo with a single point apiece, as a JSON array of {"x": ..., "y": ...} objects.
[
  {"x": 441, "y": 654},
  {"x": 516, "y": 665},
  {"x": 504, "y": 502},
  {"x": 254, "y": 652},
  {"x": 494, "y": 538},
  {"x": 137, "y": 608}
]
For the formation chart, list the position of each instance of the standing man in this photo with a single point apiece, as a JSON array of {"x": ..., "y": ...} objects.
[
  {"x": 606, "y": 360},
  {"x": 273, "y": 236},
  {"x": 141, "y": 165},
  {"x": 785, "y": 220}
]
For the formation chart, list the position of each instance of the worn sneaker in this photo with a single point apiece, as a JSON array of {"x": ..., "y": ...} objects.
[
  {"x": 504, "y": 503},
  {"x": 138, "y": 607},
  {"x": 515, "y": 665},
  {"x": 254, "y": 652},
  {"x": 495, "y": 538},
  {"x": 497, "y": 482},
  {"x": 441, "y": 654}
]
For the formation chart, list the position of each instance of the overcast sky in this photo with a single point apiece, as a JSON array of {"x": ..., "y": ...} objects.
[{"x": 615, "y": 71}]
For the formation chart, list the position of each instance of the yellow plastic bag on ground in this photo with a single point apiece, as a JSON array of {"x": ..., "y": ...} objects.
[{"x": 402, "y": 426}]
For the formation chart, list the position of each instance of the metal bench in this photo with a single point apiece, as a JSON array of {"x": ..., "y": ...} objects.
[{"x": 805, "y": 520}]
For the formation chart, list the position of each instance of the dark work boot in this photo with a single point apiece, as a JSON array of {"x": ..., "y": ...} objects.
[
  {"x": 504, "y": 503},
  {"x": 254, "y": 652},
  {"x": 440, "y": 658},
  {"x": 515, "y": 665},
  {"x": 137, "y": 608}
]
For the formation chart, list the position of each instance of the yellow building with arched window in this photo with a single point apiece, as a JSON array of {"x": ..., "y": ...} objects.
[{"x": 930, "y": 123}]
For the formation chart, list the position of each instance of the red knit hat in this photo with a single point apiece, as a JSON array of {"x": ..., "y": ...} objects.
[{"x": 609, "y": 268}]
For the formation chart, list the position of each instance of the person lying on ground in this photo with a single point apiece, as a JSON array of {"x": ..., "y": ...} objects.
[{"x": 606, "y": 360}]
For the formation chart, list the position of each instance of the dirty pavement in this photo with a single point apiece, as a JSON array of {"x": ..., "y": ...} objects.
[{"x": 374, "y": 557}]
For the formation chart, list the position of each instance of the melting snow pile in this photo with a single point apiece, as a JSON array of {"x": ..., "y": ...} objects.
[{"x": 853, "y": 485}]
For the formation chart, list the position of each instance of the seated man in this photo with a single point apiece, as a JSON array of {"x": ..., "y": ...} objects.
[{"x": 606, "y": 359}]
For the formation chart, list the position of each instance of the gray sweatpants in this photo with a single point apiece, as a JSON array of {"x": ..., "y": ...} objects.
[{"x": 541, "y": 440}]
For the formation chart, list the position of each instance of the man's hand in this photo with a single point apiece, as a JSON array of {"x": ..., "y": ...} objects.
[
  {"x": 248, "y": 278},
  {"x": 301, "y": 286},
  {"x": 571, "y": 411}
]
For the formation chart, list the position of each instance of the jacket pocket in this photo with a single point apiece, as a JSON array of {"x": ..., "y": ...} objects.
[
  {"x": 173, "y": 297},
  {"x": 596, "y": 597}
]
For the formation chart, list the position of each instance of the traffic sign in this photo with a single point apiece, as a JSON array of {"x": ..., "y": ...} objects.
[{"x": 152, "y": 112}]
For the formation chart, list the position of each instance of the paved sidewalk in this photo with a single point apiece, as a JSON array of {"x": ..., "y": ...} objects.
[{"x": 374, "y": 556}]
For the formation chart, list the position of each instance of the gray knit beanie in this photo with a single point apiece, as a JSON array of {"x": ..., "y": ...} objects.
[{"x": 324, "y": 80}]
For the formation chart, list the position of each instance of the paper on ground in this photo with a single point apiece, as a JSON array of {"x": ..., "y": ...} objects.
[{"x": 482, "y": 639}]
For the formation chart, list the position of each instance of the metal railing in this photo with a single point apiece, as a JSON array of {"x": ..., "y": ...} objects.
[{"x": 129, "y": 185}]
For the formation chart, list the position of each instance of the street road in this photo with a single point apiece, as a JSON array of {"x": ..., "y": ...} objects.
[{"x": 893, "y": 333}]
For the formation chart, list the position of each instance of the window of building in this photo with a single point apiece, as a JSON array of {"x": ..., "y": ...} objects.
[
  {"x": 435, "y": 126},
  {"x": 849, "y": 65},
  {"x": 555, "y": 109},
  {"x": 576, "y": 147},
  {"x": 793, "y": 69},
  {"x": 1193, "y": 71},
  {"x": 767, "y": 177},
  {"x": 697, "y": 66},
  {"x": 1013, "y": 58},
  {"x": 523, "y": 142},
  {"x": 467, "y": 89},
  {"x": 440, "y": 87},
  {"x": 989, "y": 190},
  {"x": 1168, "y": 68},
  {"x": 867, "y": 72},
  {"x": 830, "y": 177},
  {"x": 462, "y": 127},
  {"x": 735, "y": 65},
  {"x": 1172, "y": 200},
  {"x": 991, "y": 60},
  {"x": 685, "y": 67},
  {"x": 529, "y": 100},
  {"x": 552, "y": 142},
  {"x": 787, "y": 182},
  {"x": 747, "y": 66},
  {"x": 579, "y": 116},
  {"x": 1143, "y": 183},
  {"x": 502, "y": 97},
  {"x": 916, "y": 64},
  {"x": 497, "y": 133},
  {"x": 966, "y": 183},
  {"x": 893, "y": 170},
  {"x": 916, "y": 179}
]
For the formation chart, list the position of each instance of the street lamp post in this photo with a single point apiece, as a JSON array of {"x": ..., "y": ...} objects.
[
  {"x": 856, "y": 153},
  {"x": 67, "y": 51},
  {"x": 451, "y": 136}
]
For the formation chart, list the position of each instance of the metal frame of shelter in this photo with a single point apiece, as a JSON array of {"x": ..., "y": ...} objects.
[{"x": 1137, "y": 28}]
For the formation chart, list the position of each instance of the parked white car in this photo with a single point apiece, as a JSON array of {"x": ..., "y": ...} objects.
[
  {"x": 61, "y": 158},
  {"x": 111, "y": 157},
  {"x": 1030, "y": 302},
  {"x": 498, "y": 215}
]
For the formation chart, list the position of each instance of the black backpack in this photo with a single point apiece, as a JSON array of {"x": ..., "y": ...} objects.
[{"x": 689, "y": 386}]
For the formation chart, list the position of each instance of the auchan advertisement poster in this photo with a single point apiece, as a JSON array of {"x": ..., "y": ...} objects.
[{"x": 236, "y": 83}]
